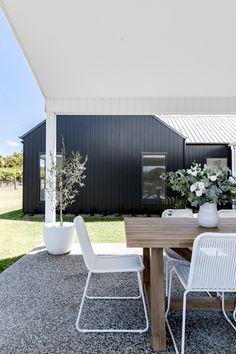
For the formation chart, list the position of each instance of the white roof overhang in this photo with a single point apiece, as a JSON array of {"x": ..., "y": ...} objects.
[{"x": 129, "y": 56}]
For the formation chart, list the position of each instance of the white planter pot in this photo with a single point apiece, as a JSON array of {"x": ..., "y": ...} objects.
[
  {"x": 208, "y": 215},
  {"x": 58, "y": 239}
]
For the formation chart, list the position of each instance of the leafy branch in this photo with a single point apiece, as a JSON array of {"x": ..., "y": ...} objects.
[{"x": 69, "y": 177}]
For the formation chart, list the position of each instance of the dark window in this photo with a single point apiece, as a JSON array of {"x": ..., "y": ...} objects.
[
  {"x": 153, "y": 165},
  {"x": 42, "y": 168}
]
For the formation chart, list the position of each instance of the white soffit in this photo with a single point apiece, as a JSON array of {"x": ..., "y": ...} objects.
[{"x": 151, "y": 51}]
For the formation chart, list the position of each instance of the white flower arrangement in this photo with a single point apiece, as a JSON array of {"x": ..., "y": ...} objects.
[{"x": 201, "y": 185}]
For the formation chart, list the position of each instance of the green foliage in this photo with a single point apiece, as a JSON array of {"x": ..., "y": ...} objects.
[
  {"x": 2, "y": 161},
  {"x": 11, "y": 167},
  {"x": 175, "y": 202},
  {"x": 11, "y": 174},
  {"x": 199, "y": 185},
  {"x": 69, "y": 175},
  {"x": 7, "y": 262},
  {"x": 15, "y": 160}
]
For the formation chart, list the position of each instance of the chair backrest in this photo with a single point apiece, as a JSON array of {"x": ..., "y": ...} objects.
[
  {"x": 213, "y": 264},
  {"x": 227, "y": 213},
  {"x": 177, "y": 213},
  {"x": 85, "y": 244}
]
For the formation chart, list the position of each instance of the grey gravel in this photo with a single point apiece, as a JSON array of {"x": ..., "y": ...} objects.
[{"x": 39, "y": 301}]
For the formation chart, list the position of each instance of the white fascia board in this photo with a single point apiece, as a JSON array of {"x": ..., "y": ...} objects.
[{"x": 142, "y": 105}]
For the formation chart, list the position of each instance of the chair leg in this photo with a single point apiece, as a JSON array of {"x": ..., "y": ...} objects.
[
  {"x": 167, "y": 311},
  {"x": 144, "y": 302},
  {"x": 114, "y": 297},
  {"x": 113, "y": 330},
  {"x": 167, "y": 275},
  {"x": 183, "y": 323},
  {"x": 183, "y": 319},
  {"x": 169, "y": 292},
  {"x": 82, "y": 303},
  {"x": 225, "y": 314},
  {"x": 234, "y": 314}
]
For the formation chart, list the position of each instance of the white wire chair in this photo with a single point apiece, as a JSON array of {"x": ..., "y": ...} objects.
[
  {"x": 227, "y": 213},
  {"x": 171, "y": 256},
  {"x": 107, "y": 264},
  {"x": 212, "y": 268}
]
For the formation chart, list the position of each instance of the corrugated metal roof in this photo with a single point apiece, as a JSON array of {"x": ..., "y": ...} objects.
[{"x": 202, "y": 128}]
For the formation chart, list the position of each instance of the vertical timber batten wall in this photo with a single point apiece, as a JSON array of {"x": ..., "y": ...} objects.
[
  {"x": 34, "y": 144},
  {"x": 113, "y": 145},
  {"x": 200, "y": 152}
]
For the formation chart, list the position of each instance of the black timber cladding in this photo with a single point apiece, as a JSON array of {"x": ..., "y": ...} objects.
[
  {"x": 34, "y": 143},
  {"x": 200, "y": 152},
  {"x": 114, "y": 170},
  {"x": 113, "y": 145}
]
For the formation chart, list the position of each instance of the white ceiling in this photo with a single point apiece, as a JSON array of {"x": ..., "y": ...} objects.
[{"x": 128, "y": 48}]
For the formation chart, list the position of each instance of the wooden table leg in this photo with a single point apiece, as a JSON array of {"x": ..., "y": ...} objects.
[
  {"x": 146, "y": 275},
  {"x": 157, "y": 300},
  {"x": 146, "y": 262}
]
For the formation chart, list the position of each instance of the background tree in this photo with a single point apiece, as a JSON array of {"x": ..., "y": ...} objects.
[
  {"x": 15, "y": 160},
  {"x": 2, "y": 161},
  {"x": 11, "y": 168}
]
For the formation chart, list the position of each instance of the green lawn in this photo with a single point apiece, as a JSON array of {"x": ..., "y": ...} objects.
[{"x": 19, "y": 233}]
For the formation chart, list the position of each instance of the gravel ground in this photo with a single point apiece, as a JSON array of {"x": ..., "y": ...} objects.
[{"x": 39, "y": 301}]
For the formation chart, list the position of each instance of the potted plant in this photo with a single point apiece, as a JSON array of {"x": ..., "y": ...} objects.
[
  {"x": 69, "y": 176},
  {"x": 204, "y": 188}
]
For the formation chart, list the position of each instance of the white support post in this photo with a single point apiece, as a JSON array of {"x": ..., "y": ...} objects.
[
  {"x": 233, "y": 158},
  {"x": 51, "y": 150}
]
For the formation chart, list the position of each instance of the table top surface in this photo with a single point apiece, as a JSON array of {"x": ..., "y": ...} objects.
[{"x": 156, "y": 232}]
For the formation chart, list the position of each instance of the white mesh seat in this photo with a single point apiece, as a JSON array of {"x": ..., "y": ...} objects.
[
  {"x": 227, "y": 213},
  {"x": 171, "y": 256},
  {"x": 212, "y": 268},
  {"x": 129, "y": 263},
  {"x": 108, "y": 264}
]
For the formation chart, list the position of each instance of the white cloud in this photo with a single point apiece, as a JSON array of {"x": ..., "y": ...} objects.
[{"x": 12, "y": 143}]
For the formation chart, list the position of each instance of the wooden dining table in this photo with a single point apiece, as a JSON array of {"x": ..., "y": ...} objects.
[{"x": 153, "y": 234}]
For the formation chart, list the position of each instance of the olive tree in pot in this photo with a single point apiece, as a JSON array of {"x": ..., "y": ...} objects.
[{"x": 69, "y": 176}]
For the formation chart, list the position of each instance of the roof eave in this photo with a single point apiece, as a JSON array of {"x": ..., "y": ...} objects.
[{"x": 31, "y": 130}]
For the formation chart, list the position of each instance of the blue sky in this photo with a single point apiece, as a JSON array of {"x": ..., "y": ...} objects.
[{"x": 21, "y": 101}]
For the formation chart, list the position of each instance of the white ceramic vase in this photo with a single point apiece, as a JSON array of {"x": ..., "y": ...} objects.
[
  {"x": 208, "y": 215},
  {"x": 58, "y": 239}
]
